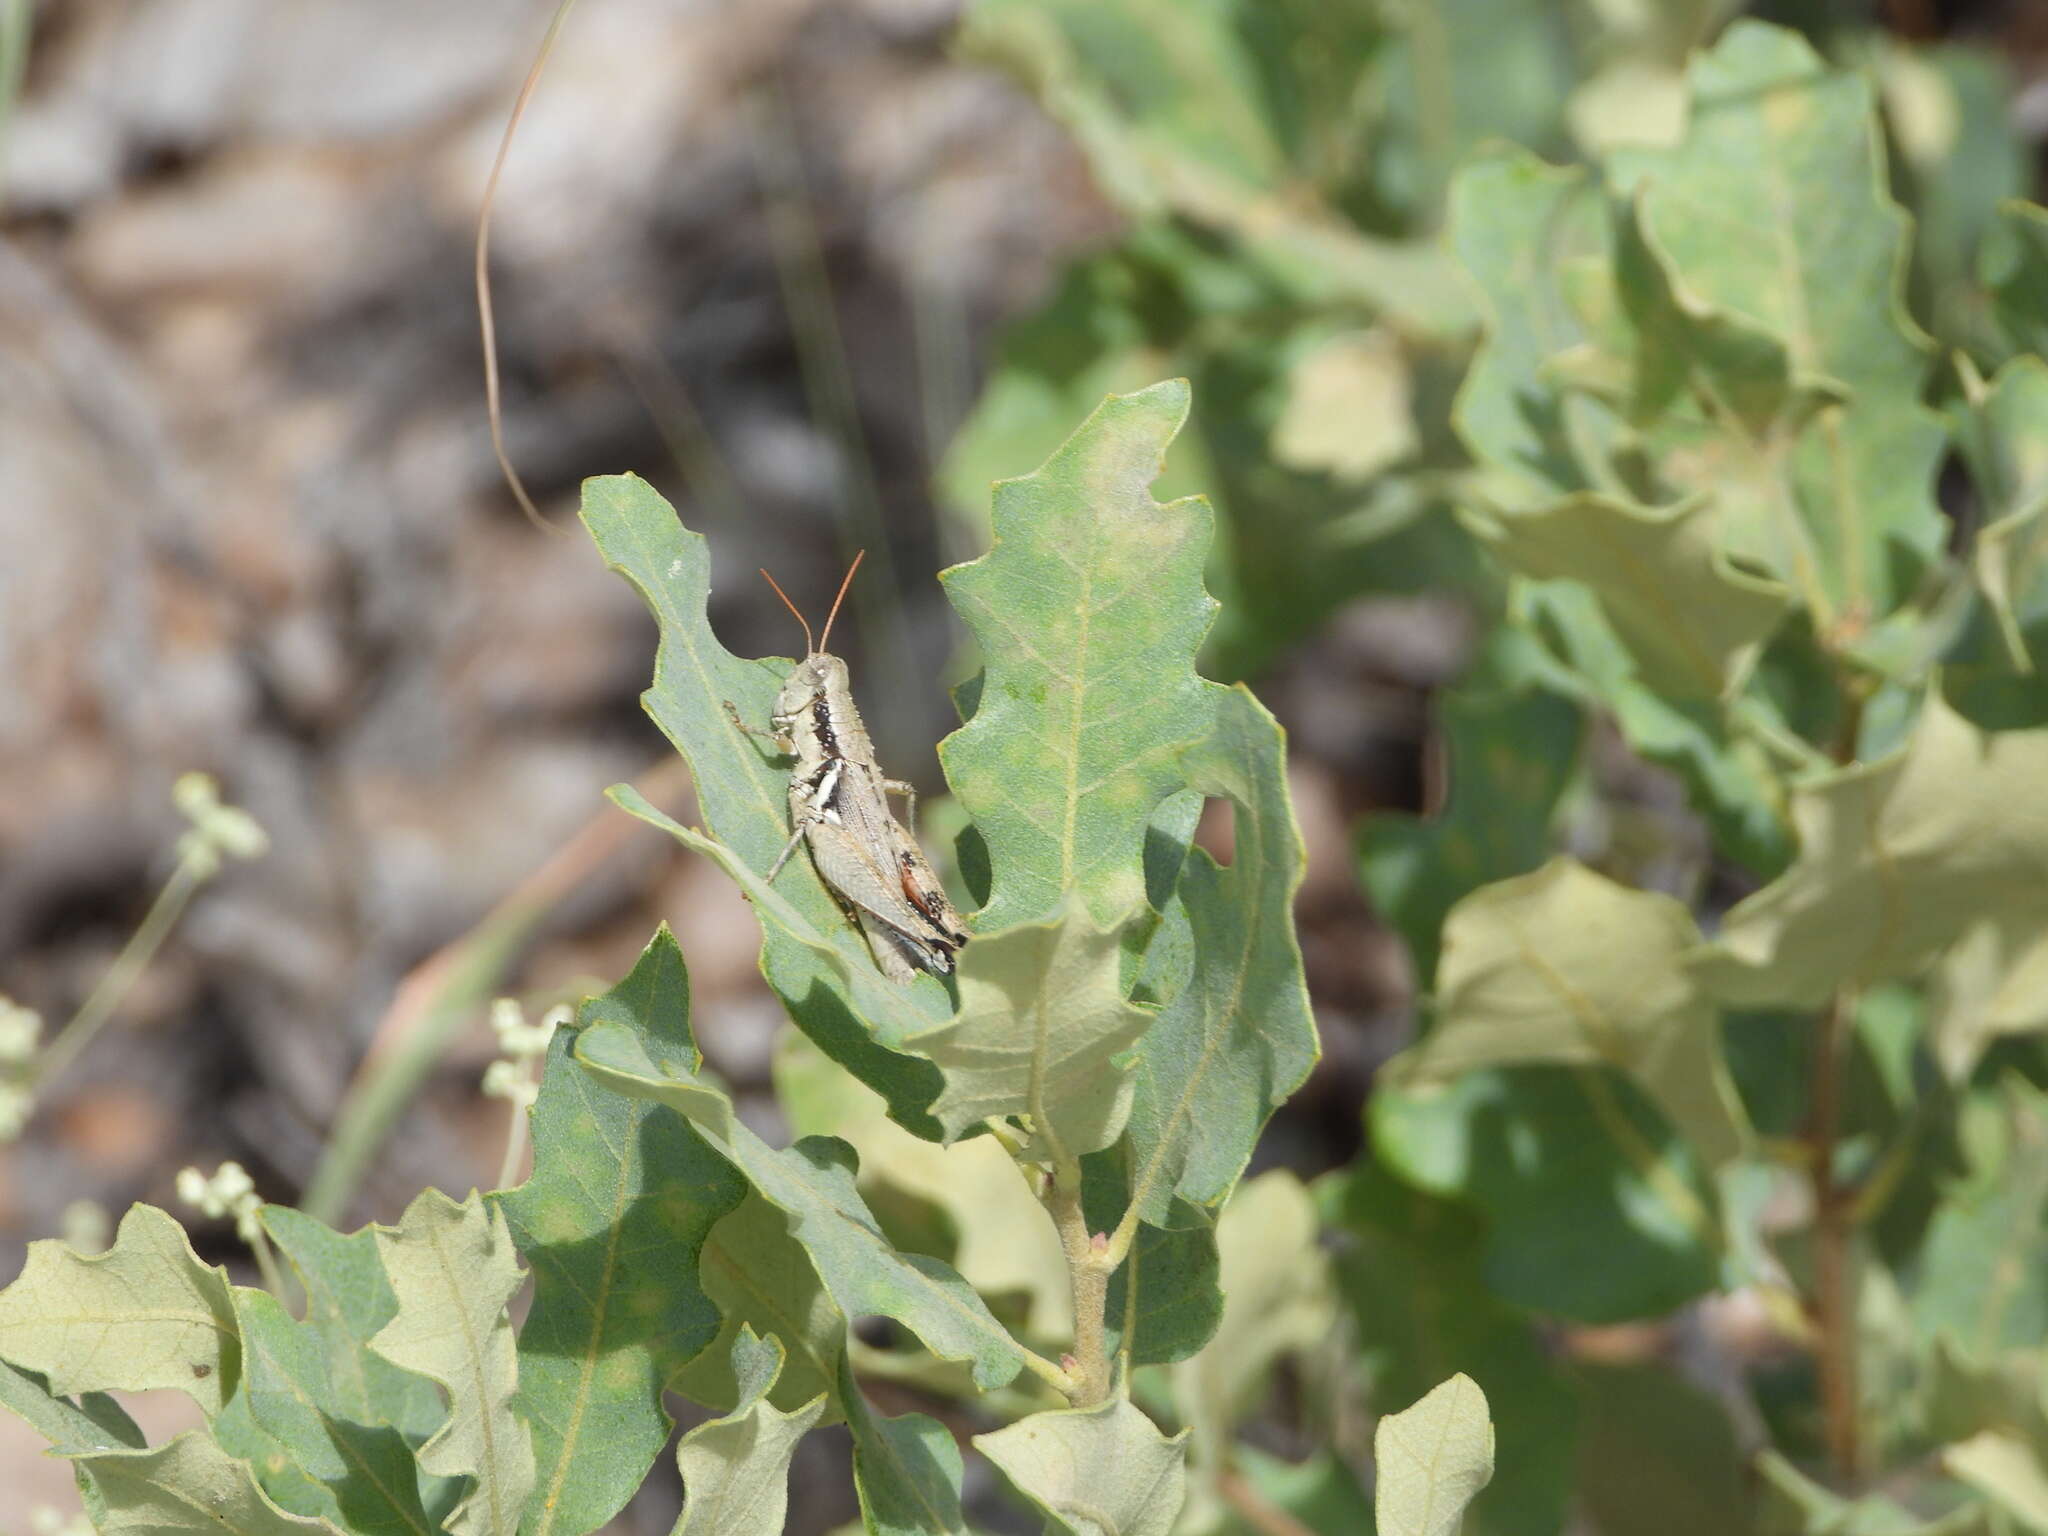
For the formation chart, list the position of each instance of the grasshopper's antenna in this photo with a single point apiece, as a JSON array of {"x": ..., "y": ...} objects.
[
  {"x": 809, "y": 648},
  {"x": 827, "y": 635}
]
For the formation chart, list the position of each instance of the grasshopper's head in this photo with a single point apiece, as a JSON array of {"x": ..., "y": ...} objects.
[{"x": 816, "y": 675}]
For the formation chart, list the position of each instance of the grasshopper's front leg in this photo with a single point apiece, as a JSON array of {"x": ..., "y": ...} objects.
[
  {"x": 908, "y": 791},
  {"x": 732, "y": 712}
]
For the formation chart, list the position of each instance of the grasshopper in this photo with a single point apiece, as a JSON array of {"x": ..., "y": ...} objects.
[{"x": 838, "y": 803}]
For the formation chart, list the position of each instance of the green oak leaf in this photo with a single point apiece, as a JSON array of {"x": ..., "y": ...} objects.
[
  {"x": 1089, "y": 610},
  {"x": 1517, "y": 227},
  {"x": 2016, "y": 270},
  {"x": 736, "y": 1468},
  {"x": 1897, "y": 859},
  {"x": 633, "y": 1041},
  {"x": 1043, "y": 1030},
  {"x": 369, "y": 1481},
  {"x": 93, "y": 1423},
  {"x": 348, "y": 1300},
  {"x": 1103, "y": 1471},
  {"x": 1566, "y": 966},
  {"x": 812, "y": 955},
  {"x": 144, "y": 1314},
  {"x": 907, "y": 1469},
  {"x": 188, "y": 1487},
  {"x": 1983, "y": 1277},
  {"x": 1562, "y": 1161},
  {"x": 1432, "y": 1459},
  {"x": 1192, "y": 113},
  {"x": 2002, "y": 433},
  {"x": 1003, "y": 1243},
  {"x": 1992, "y": 983},
  {"x": 452, "y": 1269},
  {"x": 1692, "y": 622},
  {"x": 1239, "y": 1037},
  {"x": 761, "y": 1279},
  {"x": 1804, "y": 265},
  {"x": 611, "y": 1223},
  {"x": 1509, "y": 756},
  {"x": 1279, "y": 1304}
]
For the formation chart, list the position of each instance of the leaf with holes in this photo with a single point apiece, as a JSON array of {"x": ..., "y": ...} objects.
[{"x": 1088, "y": 610}]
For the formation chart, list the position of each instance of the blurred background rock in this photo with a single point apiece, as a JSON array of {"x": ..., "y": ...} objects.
[{"x": 251, "y": 523}]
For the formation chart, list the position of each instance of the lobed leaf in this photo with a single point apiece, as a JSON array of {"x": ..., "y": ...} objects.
[
  {"x": 1103, "y": 1471},
  {"x": 1003, "y": 1241},
  {"x": 629, "y": 1041},
  {"x": 736, "y": 1469},
  {"x": 1693, "y": 623},
  {"x": 366, "y": 1477},
  {"x": 1089, "y": 610},
  {"x": 348, "y": 1300},
  {"x": 1896, "y": 860},
  {"x": 1432, "y": 1459},
  {"x": 2002, "y": 434},
  {"x": 1043, "y": 1030},
  {"x": 189, "y": 1487},
  {"x": 144, "y": 1314},
  {"x": 1564, "y": 965},
  {"x": 1239, "y": 1037},
  {"x": 812, "y": 955},
  {"x": 1795, "y": 146},
  {"x": 452, "y": 1270},
  {"x": 612, "y": 1224},
  {"x": 94, "y": 1423},
  {"x": 2007, "y": 1471}
]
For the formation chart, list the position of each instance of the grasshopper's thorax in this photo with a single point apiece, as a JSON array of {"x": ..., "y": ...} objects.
[{"x": 815, "y": 712}]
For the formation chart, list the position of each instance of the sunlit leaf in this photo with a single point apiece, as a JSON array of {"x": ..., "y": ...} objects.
[
  {"x": 1432, "y": 1459},
  {"x": 1896, "y": 860},
  {"x": 1564, "y": 965},
  {"x": 189, "y": 1487},
  {"x": 1043, "y": 1030},
  {"x": 452, "y": 1269},
  {"x": 144, "y": 1314},
  {"x": 1104, "y": 1471},
  {"x": 736, "y": 1468}
]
